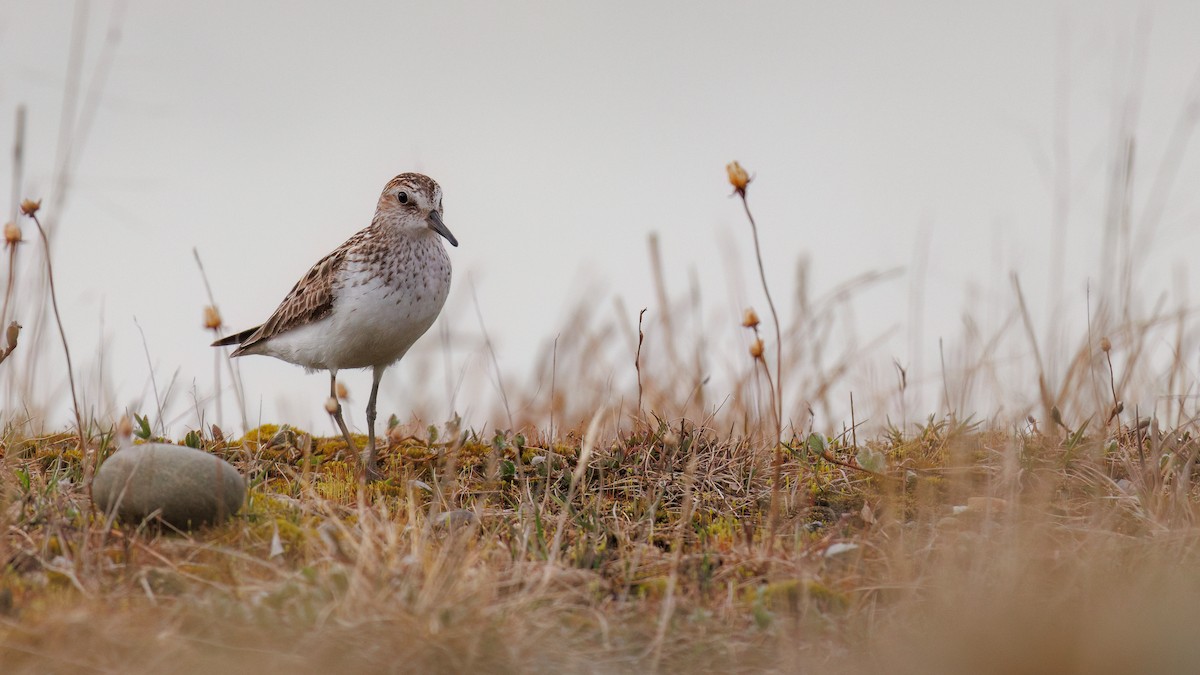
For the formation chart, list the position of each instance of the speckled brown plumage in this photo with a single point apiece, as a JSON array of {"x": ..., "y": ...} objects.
[
  {"x": 367, "y": 302},
  {"x": 311, "y": 299}
]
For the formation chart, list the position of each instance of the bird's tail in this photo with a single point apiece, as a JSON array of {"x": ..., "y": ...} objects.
[{"x": 236, "y": 338}]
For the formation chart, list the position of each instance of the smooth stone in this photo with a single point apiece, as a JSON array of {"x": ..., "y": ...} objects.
[{"x": 187, "y": 487}]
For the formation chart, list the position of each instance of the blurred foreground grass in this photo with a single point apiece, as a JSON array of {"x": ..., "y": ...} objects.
[
  {"x": 1057, "y": 536},
  {"x": 971, "y": 550}
]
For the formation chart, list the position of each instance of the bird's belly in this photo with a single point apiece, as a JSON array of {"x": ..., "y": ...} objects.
[{"x": 374, "y": 324}]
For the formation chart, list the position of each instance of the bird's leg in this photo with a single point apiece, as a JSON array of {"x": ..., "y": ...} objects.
[
  {"x": 369, "y": 465},
  {"x": 334, "y": 406}
]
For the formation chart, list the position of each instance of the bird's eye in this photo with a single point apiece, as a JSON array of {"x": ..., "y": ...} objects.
[{"x": 402, "y": 197}]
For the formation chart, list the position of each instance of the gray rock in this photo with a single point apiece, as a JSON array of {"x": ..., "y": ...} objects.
[{"x": 187, "y": 487}]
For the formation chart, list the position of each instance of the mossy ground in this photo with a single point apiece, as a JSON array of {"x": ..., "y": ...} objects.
[{"x": 660, "y": 552}]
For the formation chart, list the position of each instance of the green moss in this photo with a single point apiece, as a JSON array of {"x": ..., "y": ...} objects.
[
  {"x": 335, "y": 446},
  {"x": 723, "y": 532},
  {"x": 790, "y": 595},
  {"x": 338, "y": 482},
  {"x": 651, "y": 589},
  {"x": 259, "y": 435}
]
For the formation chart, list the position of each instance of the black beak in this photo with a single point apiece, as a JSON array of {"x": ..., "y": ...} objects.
[{"x": 436, "y": 224}]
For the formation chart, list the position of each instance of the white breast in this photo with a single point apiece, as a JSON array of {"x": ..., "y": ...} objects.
[{"x": 382, "y": 304}]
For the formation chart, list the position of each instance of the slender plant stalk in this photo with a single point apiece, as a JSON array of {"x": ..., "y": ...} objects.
[
  {"x": 61, "y": 332},
  {"x": 234, "y": 375},
  {"x": 487, "y": 341},
  {"x": 637, "y": 360},
  {"x": 18, "y": 170},
  {"x": 681, "y": 526},
  {"x": 8, "y": 290},
  {"x": 777, "y": 388},
  {"x": 762, "y": 274}
]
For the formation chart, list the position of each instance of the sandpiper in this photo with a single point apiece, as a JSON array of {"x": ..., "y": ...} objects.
[{"x": 367, "y": 302}]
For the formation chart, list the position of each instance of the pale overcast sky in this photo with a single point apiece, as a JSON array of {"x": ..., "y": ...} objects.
[{"x": 563, "y": 134}]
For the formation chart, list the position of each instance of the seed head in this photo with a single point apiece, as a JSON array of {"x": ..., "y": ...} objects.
[
  {"x": 750, "y": 319},
  {"x": 124, "y": 428},
  {"x": 1117, "y": 409},
  {"x": 212, "y": 318},
  {"x": 14, "y": 330},
  {"x": 30, "y": 207},
  {"x": 1105, "y": 345},
  {"x": 331, "y": 405},
  {"x": 756, "y": 348},
  {"x": 12, "y": 234},
  {"x": 342, "y": 393},
  {"x": 738, "y": 177},
  {"x": 670, "y": 439},
  {"x": 395, "y": 434}
]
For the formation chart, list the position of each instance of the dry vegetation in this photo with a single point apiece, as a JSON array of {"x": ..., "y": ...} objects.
[
  {"x": 596, "y": 537},
  {"x": 974, "y": 551},
  {"x": 641, "y": 513}
]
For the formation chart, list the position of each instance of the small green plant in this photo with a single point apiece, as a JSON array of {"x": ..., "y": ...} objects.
[{"x": 141, "y": 427}]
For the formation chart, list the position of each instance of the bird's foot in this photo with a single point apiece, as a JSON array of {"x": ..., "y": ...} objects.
[
  {"x": 372, "y": 474},
  {"x": 370, "y": 466}
]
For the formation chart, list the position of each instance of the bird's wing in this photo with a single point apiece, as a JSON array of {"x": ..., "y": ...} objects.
[{"x": 311, "y": 299}]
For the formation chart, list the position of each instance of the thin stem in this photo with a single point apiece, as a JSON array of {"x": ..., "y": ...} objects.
[
  {"x": 777, "y": 389},
  {"x": 8, "y": 290},
  {"x": 776, "y": 466},
  {"x": 681, "y": 526},
  {"x": 61, "y": 332},
  {"x": 637, "y": 361},
  {"x": 234, "y": 378},
  {"x": 18, "y": 170},
  {"x": 762, "y": 273},
  {"x": 162, "y": 429},
  {"x": 487, "y": 341}
]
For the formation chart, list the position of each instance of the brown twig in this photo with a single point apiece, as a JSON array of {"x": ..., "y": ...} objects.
[
  {"x": 739, "y": 179},
  {"x": 762, "y": 272},
  {"x": 828, "y": 457},
  {"x": 12, "y": 239},
  {"x": 12, "y": 233},
  {"x": 30, "y": 208},
  {"x": 637, "y": 359},
  {"x": 1106, "y": 347}
]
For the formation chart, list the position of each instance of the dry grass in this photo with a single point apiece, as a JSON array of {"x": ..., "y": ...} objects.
[
  {"x": 640, "y": 512},
  {"x": 976, "y": 551},
  {"x": 677, "y": 534}
]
